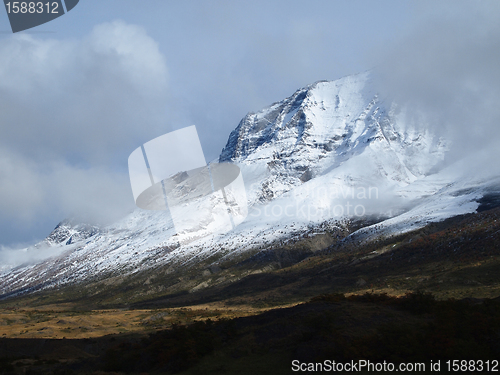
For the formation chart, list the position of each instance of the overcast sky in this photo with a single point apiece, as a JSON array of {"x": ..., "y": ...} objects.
[{"x": 79, "y": 94}]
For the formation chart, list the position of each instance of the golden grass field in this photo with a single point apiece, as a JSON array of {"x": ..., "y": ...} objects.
[{"x": 63, "y": 321}]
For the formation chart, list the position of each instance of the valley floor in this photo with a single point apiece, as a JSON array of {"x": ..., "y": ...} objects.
[{"x": 414, "y": 329}]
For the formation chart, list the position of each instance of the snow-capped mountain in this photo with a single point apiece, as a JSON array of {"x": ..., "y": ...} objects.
[
  {"x": 325, "y": 125},
  {"x": 334, "y": 150}
]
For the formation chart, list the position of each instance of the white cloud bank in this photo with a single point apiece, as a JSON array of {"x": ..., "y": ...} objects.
[
  {"x": 70, "y": 113},
  {"x": 447, "y": 67}
]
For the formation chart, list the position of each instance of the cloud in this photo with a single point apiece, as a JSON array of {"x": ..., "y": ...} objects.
[
  {"x": 12, "y": 256},
  {"x": 88, "y": 100},
  {"x": 447, "y": 68},
  {"x": 34, "y": 192},
  {"x": 71, "y": 111}
]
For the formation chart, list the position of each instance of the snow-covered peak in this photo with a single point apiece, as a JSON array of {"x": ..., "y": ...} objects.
[
  {"x": 70, "y": 231},
  {"x": 321, "y": 127},
  {"x": 290, "y": 122}
]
